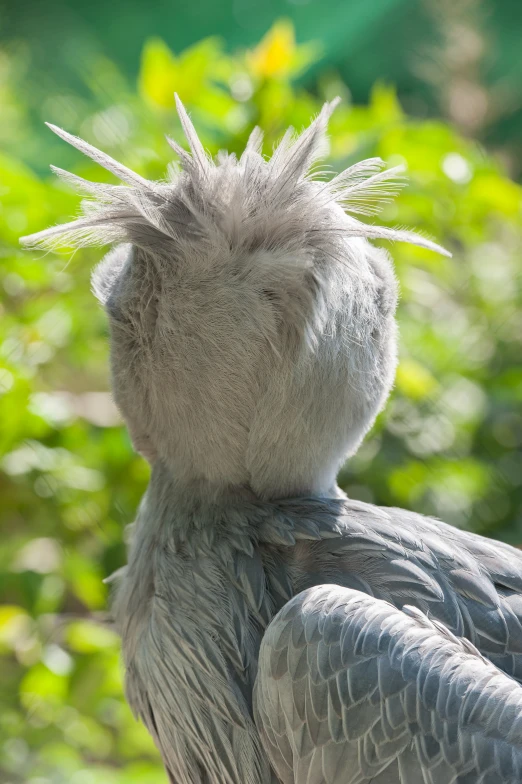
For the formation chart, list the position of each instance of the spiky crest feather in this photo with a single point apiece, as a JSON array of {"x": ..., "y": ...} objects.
[{"x": 157, "y": 216}]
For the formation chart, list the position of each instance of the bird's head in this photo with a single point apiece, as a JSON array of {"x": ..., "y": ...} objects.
[{"x": 253, "y": 336}]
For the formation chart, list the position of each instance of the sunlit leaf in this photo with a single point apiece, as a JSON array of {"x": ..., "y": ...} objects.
[
  {"x": 14, "y": 626},
  {"x": 278, "y": 55},
  {"x": 414, "y": 380},
  {"x": 88, "y": 637}
]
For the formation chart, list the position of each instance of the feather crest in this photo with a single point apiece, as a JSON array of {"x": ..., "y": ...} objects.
[
  {"x": 191, "y": 136},
  {"x": 122, "y": 172},
  {"x": 252, "y": 203}
]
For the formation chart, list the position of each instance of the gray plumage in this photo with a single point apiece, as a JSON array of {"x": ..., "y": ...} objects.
[
  {"x": 253, "y": 342},
  {"x": 351, "y": 689}
]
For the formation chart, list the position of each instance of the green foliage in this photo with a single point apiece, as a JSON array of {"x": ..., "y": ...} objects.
[{"x": 448, "y": 443}]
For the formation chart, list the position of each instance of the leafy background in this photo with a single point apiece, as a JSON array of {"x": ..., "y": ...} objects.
[{"x": 449, "y": 442}]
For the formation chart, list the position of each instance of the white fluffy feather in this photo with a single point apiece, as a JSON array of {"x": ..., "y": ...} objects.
[{"x": 253, "y": 335}]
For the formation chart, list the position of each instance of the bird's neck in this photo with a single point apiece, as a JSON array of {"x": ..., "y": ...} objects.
[
  {"x": 199, "y": 549},
  {"x": 193, "y": 512},
  {"x": 200, "y": 511}
]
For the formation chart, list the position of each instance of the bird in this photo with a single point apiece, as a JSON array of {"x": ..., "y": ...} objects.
[{"x": 273, "y": 629}]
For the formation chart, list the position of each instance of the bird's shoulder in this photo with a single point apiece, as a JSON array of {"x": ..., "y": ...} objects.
[{"x": 471, "y": 584}]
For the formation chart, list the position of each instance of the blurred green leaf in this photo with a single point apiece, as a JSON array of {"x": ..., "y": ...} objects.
[{"x": 88, "y": 637}]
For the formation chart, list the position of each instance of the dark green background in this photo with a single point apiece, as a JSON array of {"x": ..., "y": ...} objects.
[{"x": 364, "y": 40}]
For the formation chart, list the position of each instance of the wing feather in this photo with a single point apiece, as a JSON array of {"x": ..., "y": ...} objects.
[
  {"x": 401, "y": 700},
  {"x": 472, "y": 585}
]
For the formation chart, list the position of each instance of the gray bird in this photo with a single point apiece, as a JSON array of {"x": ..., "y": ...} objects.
[{"x": 273, "y": 629}]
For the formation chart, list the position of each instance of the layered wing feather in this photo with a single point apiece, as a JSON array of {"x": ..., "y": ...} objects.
[
  {"x": 350, "y": 690},
  {"x": 471, "y": 584}
]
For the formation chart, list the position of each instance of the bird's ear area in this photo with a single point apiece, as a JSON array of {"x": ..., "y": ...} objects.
[
  {"x": 127, "y": 282},
  {"x": 122, "y": 284},
  {"x": 107, "y": 274}
]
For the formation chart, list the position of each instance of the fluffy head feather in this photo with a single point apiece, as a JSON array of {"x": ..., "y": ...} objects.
[{"x": 252, "y": 323}]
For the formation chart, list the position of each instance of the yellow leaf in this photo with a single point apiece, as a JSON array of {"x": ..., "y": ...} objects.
[
  {"x": 414, "y": 380},
  {"x": 14, "y": 626},
  {"x": 88, "y": 637},
  {"x": 274, "y": 55},
  {"x": 158, "y": 72},
  {"x": 496, "y": 193}
]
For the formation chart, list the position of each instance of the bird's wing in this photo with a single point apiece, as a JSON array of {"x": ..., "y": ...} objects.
[
  {"x": 471, "y": 584},
  {"x": 351, "y": 689}
]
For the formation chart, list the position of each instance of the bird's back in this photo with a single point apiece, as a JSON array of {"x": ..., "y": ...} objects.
[
  {"x": 376, "y": 671},
  {"x": 200, "y": 592},
  {"x": 471, "y": 584}
]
